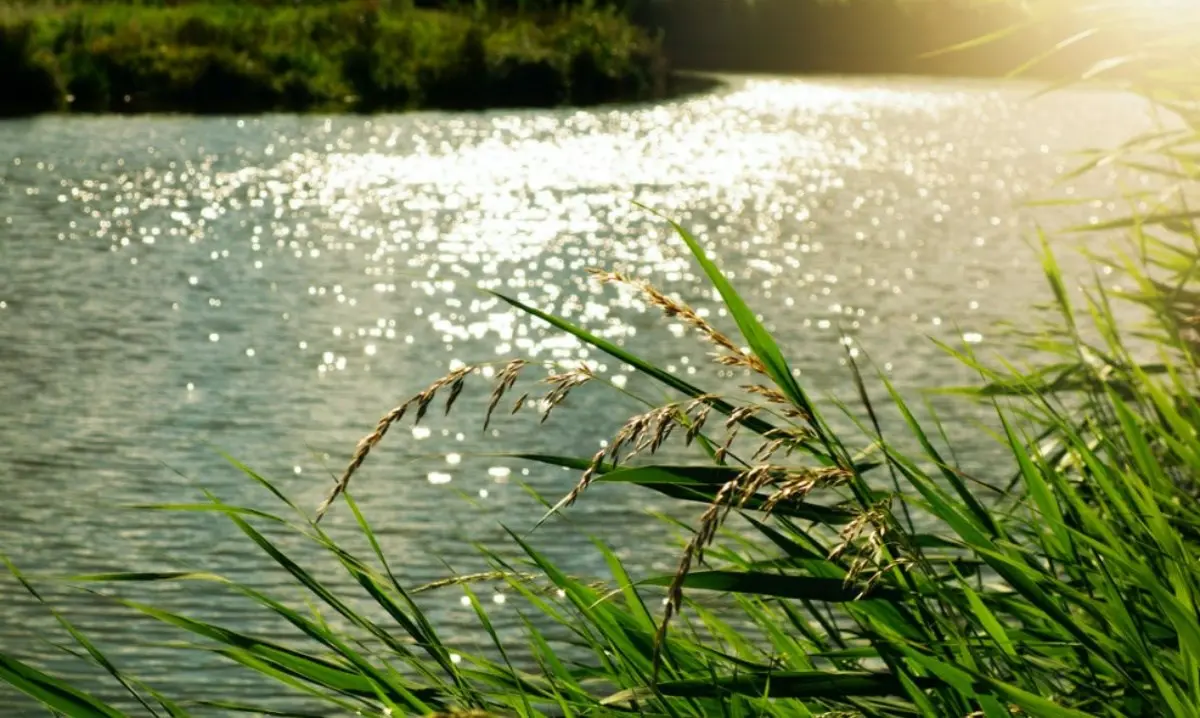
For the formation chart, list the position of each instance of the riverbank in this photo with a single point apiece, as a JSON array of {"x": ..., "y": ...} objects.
[{"x": 344, "y": 56}]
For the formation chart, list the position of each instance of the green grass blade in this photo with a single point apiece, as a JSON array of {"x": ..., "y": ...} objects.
[
  {"x": 831, "y": 590},
  {"x": 756, "y": 335},
  {"x": 54, "y": 693},
  {"x": 93, "y": 652},
  {"x": 784, "y": 684}
]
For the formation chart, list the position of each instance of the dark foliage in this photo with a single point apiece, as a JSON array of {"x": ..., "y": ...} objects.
[{"x": 222, "y": 58}]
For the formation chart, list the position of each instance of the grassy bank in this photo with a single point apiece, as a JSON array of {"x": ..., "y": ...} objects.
[{"x": 227, "y": 57}]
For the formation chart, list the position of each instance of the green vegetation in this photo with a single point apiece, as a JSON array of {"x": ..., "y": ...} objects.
[
  {"x": 227, "y": 57},
  {"x": 866, "y": 580},
  {"x": 221, "y": 56}
]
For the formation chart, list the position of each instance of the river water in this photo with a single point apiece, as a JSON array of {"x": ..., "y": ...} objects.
[{"x": 174, "y": 287}]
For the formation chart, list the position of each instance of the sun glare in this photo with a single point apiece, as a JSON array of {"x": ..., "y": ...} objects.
[{"x": 1158, "y": 9}]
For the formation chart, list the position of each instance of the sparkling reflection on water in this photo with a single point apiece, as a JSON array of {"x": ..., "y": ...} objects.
[{"x": 171, "y": 287}]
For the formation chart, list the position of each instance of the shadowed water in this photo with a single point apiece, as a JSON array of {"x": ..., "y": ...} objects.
[{"x": 174, "y": 287}]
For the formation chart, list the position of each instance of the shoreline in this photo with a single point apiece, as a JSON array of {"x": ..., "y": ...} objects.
[
  {"x": 689, "y": 85},
  {"x": 679, "y": 85}
]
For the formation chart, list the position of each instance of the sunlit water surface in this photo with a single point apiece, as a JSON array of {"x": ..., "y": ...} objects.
[{"x": 175, "y": 287}]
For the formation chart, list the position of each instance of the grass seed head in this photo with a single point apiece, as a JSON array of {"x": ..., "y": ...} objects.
[{"x": 455, "y": 380}]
